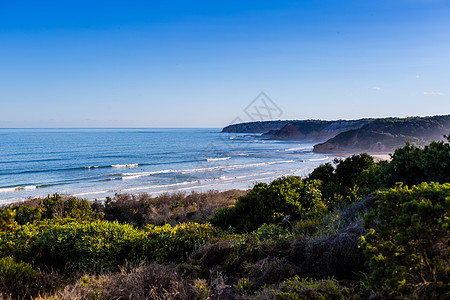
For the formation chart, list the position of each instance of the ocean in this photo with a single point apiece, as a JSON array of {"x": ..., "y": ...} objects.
[{"x": 97, "y": 163}]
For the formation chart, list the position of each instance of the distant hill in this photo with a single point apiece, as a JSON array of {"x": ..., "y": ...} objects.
[
  {"x": 314, "y": 130},
  {"x": 385, "y": 135},
  {"x": 364, "y": 135},
  {"x": 255, "y": 127}
]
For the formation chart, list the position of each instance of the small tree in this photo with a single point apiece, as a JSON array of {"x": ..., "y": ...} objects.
[
  {"x": 270, "y": 203},
  {"x": 408, "y": 243}
]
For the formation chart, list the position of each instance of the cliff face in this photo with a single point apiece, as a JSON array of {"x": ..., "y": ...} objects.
[
  {"x": 255, "y": 127},
  {"x": 385, "y": 135},
  {"x": 314, "y": 130}
]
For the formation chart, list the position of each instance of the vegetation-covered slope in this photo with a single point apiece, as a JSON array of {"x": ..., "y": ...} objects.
[
  {"x": 365, "y": 135},
  {"x": 385, "y": 135}
]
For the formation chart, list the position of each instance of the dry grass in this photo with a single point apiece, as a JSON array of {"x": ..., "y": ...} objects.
[
  {"x": 152, "y": 281},
  {"x": 171, "y": 208},
  {"x": 336, "y": 255}
]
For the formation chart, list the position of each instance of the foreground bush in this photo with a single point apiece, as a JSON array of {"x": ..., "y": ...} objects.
[
  {"x": 20, "y": 242},
  {"x": 16, "y": 277},
  {"x": 91, "y": 246},
  {"x": 269, "y": 203},
  {"x": 298, "y": 288},
  {"x": 52, "y": 207},
  {"x": 408, "y": 246},
  {"x": 413, "y": 165},
  {"x": 175, "y": 244},
  {"x": 338, "y": 183}
]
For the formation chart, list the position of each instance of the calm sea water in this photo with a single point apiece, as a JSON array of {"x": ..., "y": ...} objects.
[{"x": 96, "y": 163}]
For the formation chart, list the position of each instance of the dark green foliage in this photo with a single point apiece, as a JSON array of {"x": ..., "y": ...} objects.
[
  {"x": 323, "y": 172},
  {"x": 272, "y": 232},
  {"x": 408, "y": 246},
  {"x": 167, "y": 243},
  {"x": 95, "y": 246},
  {"x": 7, "y": 222},
  {"x": 297, "y": 288},
  {"x": 90, "y": 246},
  {"x": 340, "y": 183},
  {"x": 19, "y": 242},
  {"x": 80, "y": 210},
  {"x": 270, "y": 203},
  {"x": 413, "y": 165},
  {"x": 349, "y": 169},
  {"x": 26, "y": 214},
  {"x": 16, "y": 277},
  {"x": 56, "y": 207}
]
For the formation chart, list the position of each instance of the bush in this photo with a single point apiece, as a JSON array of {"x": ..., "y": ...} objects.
[
  {"x": 16, "y": 277},
  {"x": 93, "y": 246},
  {"x": 55, "y": 206},
  {"x": 167, "y": 243},
  {"x": 413, "y": 165},
  {"x": 303, "y": 288},
  {"x": 270, "y": 203},
  {"x": 80, "y": 210},
  {"x": 272, "y": 232},
  {"x": 7, "y": 222},
  {"x": 20, "y": 242},
  {"x": 407, "y": 246},
  {"x": 25, "y": 214},
  {"x": 341, "y": 184}
]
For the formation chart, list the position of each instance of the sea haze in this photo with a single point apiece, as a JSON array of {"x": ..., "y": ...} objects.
[{"x": 96, "y": 163}]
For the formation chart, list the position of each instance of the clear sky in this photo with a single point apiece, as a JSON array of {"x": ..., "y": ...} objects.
[{"x": 200, "y": 63}]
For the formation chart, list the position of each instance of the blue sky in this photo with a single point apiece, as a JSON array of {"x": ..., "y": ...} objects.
[{"x": 200, "y": 63}]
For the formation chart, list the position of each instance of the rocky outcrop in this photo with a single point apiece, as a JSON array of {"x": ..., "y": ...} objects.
[{"x": 255, "y": 127}]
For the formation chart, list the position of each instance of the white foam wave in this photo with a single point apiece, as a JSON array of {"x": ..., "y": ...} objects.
[
  {"x": 91, "y": 167},
  {"x": 18, "y": 188},
  {"x": 222, "y": 181},
  {"x": 125, "y": 166},
  {"x": 298, "y": 148},
  {"x": 319, "y": 159},
  {"x": 6, "y": 190},
  {"x": 217, "y": 158},
  {"x": 197, "y": 170},
  {"x": 131, "y": 177}
]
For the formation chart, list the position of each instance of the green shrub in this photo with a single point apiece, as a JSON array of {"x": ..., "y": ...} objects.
[
  {"x": 408, "y": 245},
  {"x": 7, "y": 222},
  {"x": 20, "y": 242},
  {"x": 302, "y": 288},
  {"x": 167, "y": 243},
  {"x": 80, "y": 210},
  {"x": 243, "y": 286},
  {"x": 340, "y": 184},
  {"x": 16, "y": 277},
  {"x": 25, "y": 214},
  {"x": 270, "y": 203},
  {"x": 92, "y": 246},
  {"x": 272, "y": 232},
  {"x": 413, "y": 165}
]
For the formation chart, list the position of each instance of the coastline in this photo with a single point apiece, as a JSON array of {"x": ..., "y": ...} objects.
[{"x": 198, "y": 187}]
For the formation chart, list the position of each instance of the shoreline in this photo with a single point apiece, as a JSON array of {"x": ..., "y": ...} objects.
[{"x": 200, "y": 188}]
